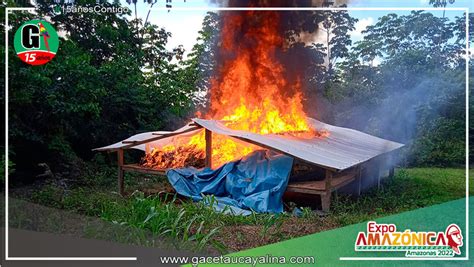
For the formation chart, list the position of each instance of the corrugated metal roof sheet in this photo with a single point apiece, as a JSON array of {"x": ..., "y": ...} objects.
[
  {"x": 143, "y": 137},
  {"x": 342, "y": 149}
]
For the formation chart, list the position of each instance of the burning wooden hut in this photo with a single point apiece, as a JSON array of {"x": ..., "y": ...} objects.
[
  {"x": 256, "y": 101},
  {"x": 339, "y": 159}
]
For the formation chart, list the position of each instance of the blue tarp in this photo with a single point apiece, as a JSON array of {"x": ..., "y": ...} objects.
[{"x": 256, "y": 182}]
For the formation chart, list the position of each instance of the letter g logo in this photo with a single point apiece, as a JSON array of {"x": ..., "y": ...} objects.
[
  {"x": 36, "y": 42},
  {"x": 30, "y": 36}
]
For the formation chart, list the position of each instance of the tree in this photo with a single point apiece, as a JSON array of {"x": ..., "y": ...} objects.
[
  {"x": 201, "y": 61},
  {"x": 336, "y": 26},
  {"x": 100, "y": 88},
  {"x": 441, "y": 40},
  {"x": 441, "y": 3},
  {"x": 415, "y": 95},
  {"x": 317, "y": 60},
  {"x": 149, "y": 2}
]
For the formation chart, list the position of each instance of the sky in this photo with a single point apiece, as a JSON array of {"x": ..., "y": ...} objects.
[{"x": 184, "y": 25}]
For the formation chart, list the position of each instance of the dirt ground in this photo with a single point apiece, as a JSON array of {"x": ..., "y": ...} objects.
[{"x": 241, "y": 237}]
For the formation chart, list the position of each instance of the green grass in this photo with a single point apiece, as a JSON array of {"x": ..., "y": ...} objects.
[
  {"x": 185, "y": 223},
  {"x": 198, "y": 226},
  {"x": 410, "y": 189}
]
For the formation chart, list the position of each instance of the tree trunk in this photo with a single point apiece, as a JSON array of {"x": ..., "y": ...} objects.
[{"x": 148, "y": 14}]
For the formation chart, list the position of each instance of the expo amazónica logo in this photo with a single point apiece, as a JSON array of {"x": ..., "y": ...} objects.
[
  {"x": 385, "y": 237},
  {"x": 36, "y": 42}
]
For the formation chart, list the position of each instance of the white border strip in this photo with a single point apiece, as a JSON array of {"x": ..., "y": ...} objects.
[
  {"x": 467, "y": 132},
  {"x": 71, "y": 258},
  {"x": 7, "y": 12},
  {"x": 307, "y": 8},
  {"x": 466, "y": 10}
]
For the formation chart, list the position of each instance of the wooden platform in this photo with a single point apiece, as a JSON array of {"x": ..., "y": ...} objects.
[
  {"x": 332, "y": 180},
  {"x": 141, "y": 169},
  {"x": 319, "y": 187},
  {"x": 324, "y": 188}
]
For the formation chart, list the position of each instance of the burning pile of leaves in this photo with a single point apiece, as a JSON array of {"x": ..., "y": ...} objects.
[{"x": 181, "y": 156}]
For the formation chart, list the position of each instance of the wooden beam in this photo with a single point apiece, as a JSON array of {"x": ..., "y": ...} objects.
[
  {"x": 376, "y": 169},
  {"x": 359, "y": 180},
  {"x": 318, "y": 187},
  {"x": 328, "y": 180},
  {"x": 140, "y": 169},
  {"x": 208, "y": 137},
  {"x": 158, "y": 137},
  {"x": 193, "y": 127},
  {"x": 326, "y": 201},
  {"x": 129, "y": 142},
  {"x": 391, "y": 172},
  {"x": 326, "y": 198},
  {"x": 121, "y": 188}
]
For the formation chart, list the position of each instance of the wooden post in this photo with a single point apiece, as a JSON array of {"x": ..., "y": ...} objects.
[
  {"x": 359, "y": 180},
  {"x": 120, "y": 172},
  {"x": 394, "y": 157},
  {"x": 391, "y": 172},
  {"x": 391, "y": 164},
  {"x": 208, "y": 137},
  {"x": 326, "y": 197},
  {"x": 376, "y": 170}
]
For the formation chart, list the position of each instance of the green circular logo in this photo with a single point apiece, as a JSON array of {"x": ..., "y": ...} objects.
[{"x": 36, "y": 42}]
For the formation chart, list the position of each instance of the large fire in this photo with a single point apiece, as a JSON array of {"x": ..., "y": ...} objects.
[{"x": 249, "y": 93}]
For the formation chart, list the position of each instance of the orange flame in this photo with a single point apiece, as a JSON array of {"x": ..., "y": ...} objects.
[{"x": 250, "y": 92}]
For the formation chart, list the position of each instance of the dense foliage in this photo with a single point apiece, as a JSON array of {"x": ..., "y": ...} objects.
[
  {"x": 108, "y": 80},
  {"x": 113, "y": 77},
  {"x": 415, "y": 94}
]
